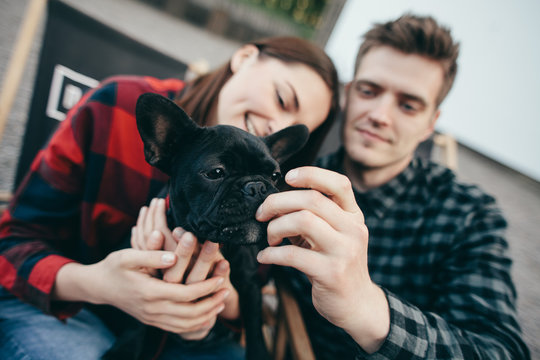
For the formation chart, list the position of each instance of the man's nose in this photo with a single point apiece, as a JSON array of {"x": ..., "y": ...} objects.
[{"x": 381, "y": 114}]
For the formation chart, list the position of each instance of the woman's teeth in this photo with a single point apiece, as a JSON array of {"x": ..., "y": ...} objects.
[{"x": 249, "y": 126}]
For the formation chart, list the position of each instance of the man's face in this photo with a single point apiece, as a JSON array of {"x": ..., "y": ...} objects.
[{"x": 391, "y": 107}]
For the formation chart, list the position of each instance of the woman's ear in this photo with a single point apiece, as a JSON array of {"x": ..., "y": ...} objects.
[{"x": 242, "y": 56}]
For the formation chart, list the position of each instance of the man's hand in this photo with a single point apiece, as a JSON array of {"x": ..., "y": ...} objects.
[{"x": 330, "y": 240}]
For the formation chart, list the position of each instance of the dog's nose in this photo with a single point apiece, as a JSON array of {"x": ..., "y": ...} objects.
[{"x": 254, "y": 188}]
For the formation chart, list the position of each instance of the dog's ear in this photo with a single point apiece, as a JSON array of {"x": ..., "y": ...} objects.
[
  {"x": 163, "y": 127},
  {"x": 285, "y": 143}
]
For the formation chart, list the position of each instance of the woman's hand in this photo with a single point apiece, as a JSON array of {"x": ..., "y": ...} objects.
[
  {"x": 330, "y": 240},
  {"x": 118, "y": 280},
  {"x": 194, "y": 263}
]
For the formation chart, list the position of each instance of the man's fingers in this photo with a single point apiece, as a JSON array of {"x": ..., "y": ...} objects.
[
  {"x": 334, "y": 185},
  {"x": 205, "y": 260},
  {"x": 304, "y": 260},
  {"x": 303, "y": 225},
  {"x": 309, "y": 202},
  {"x": 184, "y": 251}
]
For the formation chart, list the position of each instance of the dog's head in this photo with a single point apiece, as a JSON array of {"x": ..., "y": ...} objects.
[{"x": 218, "y": 175}]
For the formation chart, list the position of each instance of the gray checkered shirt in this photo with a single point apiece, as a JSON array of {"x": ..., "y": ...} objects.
[{"x": 438, "y": 251}]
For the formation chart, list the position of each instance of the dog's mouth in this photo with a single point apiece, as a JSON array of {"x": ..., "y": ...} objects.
[{"x": 244, "y": 233}]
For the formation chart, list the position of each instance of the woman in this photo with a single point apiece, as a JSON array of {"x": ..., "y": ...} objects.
[{"x": 59, "y": 238}]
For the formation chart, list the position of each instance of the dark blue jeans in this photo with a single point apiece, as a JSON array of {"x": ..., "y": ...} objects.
[{"x": 29, "y": 334}]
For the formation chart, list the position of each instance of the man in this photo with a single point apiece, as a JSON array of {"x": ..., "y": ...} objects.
[{"x": 399, "y": 260}]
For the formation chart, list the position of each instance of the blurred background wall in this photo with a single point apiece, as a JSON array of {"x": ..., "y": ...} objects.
[{"x": 493, "y": 106}]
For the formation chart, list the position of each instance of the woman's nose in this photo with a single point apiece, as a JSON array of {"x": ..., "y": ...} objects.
[{"x": 276, "y": 124}]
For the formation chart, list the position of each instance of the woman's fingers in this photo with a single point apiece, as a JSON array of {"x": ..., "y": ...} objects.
[
  {"x": 204, "y": 263},
  {"x": 184, "y": 251},
  {"x": 138, "y": 241},
  {"x": 188, "y": 310}
]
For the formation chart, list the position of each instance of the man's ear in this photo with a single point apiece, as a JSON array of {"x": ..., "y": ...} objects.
[
  {"x": 431, "y": 127},
  {"x": 285, "y": 143},
  {"x": 246, "y": 53},
  {"x": 163, "y": 127}
]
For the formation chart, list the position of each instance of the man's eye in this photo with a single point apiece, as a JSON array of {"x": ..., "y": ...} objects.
[
  {"x": 365, "y": 91},
  {"x": 215, "y": 174},
  {"x": 408, "y": 107},
  {"x": 276, "y": 176}
]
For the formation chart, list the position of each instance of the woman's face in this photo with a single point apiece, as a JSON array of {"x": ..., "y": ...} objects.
[{"x": 265, "y": 95}]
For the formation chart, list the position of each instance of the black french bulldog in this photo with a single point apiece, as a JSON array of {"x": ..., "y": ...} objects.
[{"x": 218, "y": 178}]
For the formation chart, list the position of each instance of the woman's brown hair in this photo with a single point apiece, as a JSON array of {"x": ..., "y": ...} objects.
[{"x": 200, "y": 96}]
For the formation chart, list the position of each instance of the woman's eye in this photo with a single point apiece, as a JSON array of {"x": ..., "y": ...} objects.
[
  {"x": 215, "y": 174},
  {"x": 280, "y": 100},
  {"x": 276, "y": 176}
]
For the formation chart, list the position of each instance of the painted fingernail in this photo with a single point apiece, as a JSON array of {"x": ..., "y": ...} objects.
[
  {"x": 178, "y": 232},
  {"x": 210, "y": 247},
  {"x": 220, "y": 308},
  {"x": 223, "y": 266},
  {"x": 226, "y": 294},
  {"x": 220, "y": 281},
  {"x": 168, "y": 258},
  {"x": 259, "y": 211},
  {"x": 187, "y": 240}
]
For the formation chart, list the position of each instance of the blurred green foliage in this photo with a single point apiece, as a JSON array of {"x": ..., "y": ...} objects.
[{"x": 306, "y": 15}]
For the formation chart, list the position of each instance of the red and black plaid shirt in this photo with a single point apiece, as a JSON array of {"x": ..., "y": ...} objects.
[{"x": 83, "y": 192}]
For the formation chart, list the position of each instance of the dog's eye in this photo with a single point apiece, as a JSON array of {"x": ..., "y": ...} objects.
[
  {"x": 215, "y": 174},
  {"x": 276, "y": 176}
]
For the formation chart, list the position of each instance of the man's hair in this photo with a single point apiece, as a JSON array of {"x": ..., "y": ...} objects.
[{"x": 422, "y": 36}]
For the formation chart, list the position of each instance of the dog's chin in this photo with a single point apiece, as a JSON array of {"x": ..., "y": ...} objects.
[{"x": 248, "y": 233}]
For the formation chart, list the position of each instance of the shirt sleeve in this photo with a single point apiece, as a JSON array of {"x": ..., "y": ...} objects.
[
  {"x": 39, "y": 230},
  {"x": 474, "y": 316}
]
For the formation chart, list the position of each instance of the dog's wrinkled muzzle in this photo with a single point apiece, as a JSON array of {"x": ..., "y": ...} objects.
[{"x": 231, "y": 218}]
